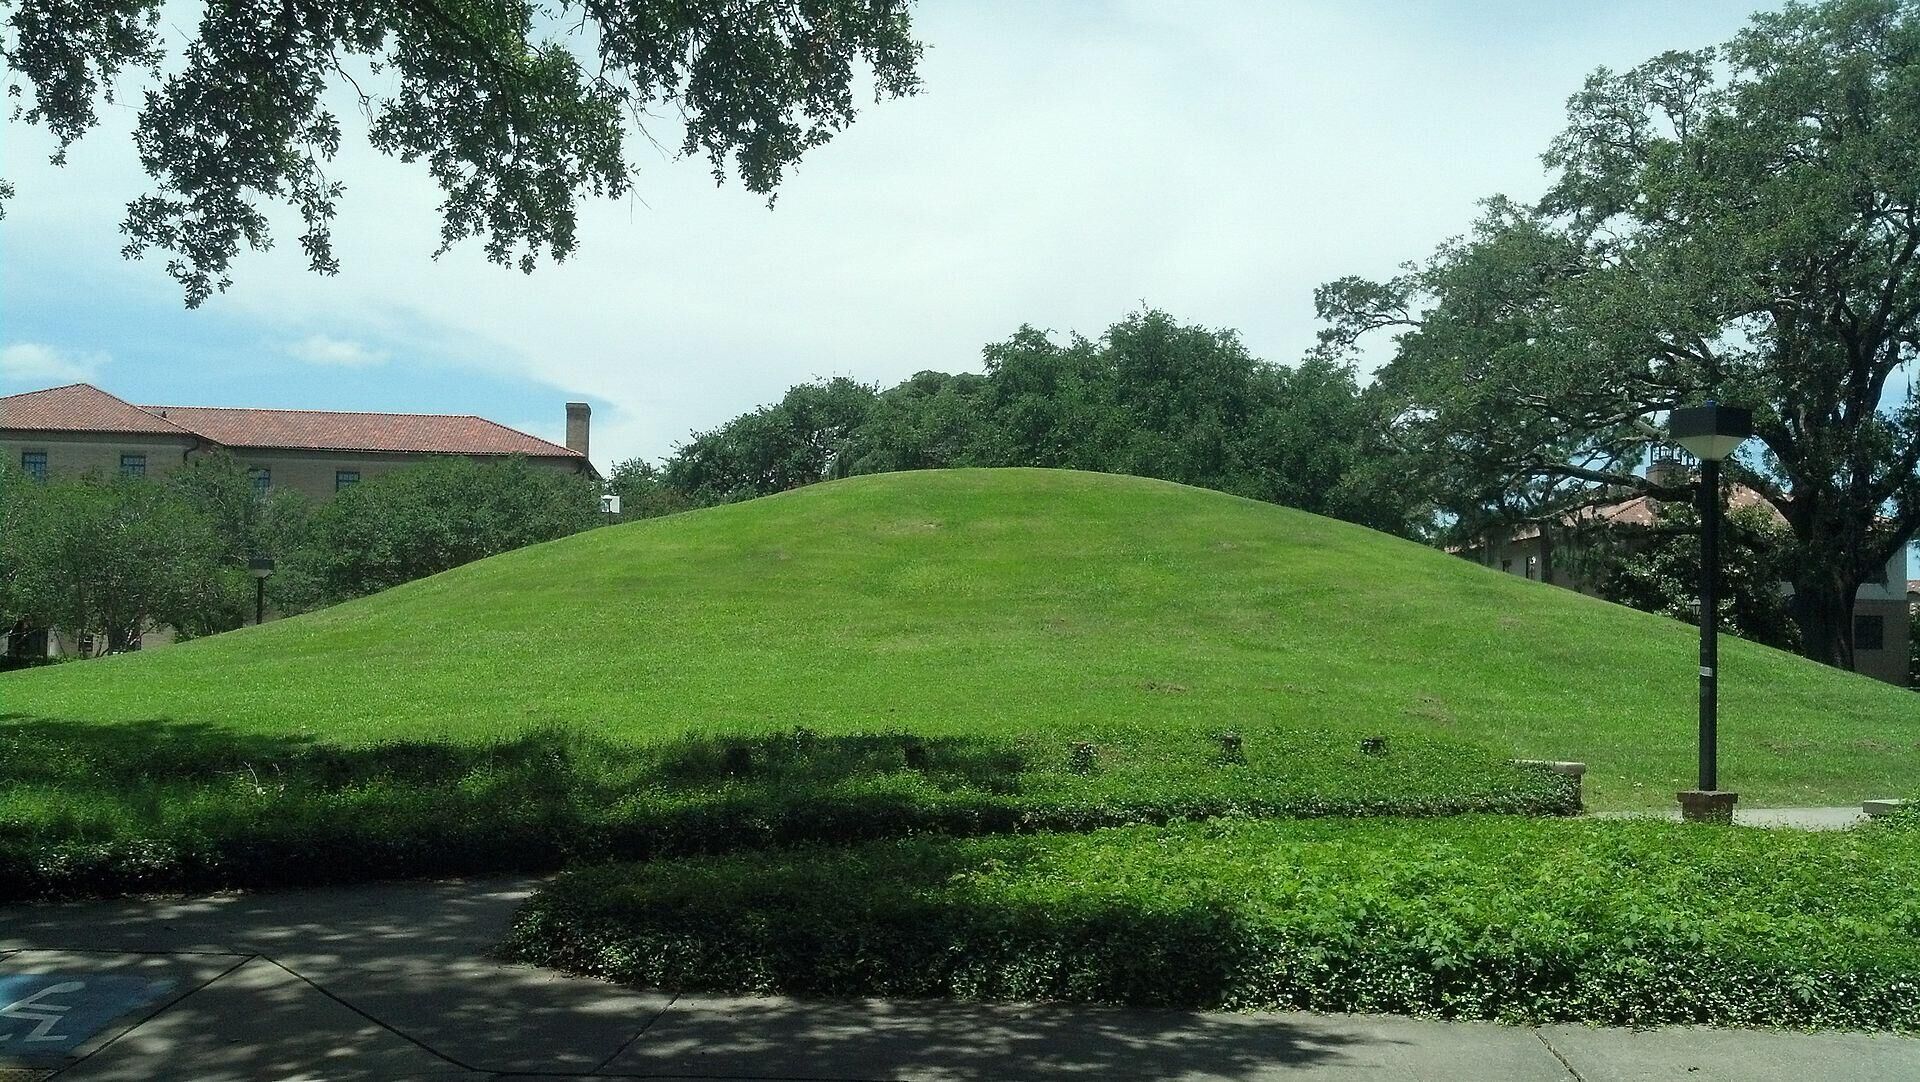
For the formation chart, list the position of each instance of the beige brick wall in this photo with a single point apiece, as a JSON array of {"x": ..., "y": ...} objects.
[
  {"x": 310, "y": 473},
  {"x": 74, "y": 454},
  {"x": 313, "y": 474},
  {"x": 1892, "y": 662}
]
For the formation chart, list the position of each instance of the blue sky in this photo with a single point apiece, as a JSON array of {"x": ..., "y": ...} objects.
[{"x": 1066, "y": 162}]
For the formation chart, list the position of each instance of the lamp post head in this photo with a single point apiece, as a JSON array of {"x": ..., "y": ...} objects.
[
  {"x": 1710, "y": 432},
  {"x": 261, "y": 566}
]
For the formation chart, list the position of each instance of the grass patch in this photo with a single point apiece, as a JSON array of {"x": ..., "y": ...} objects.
[
  {"x": 1620, "y": 922},
  {"x": 157, "y": 806},
  {"x": 1003, "y": 605}
]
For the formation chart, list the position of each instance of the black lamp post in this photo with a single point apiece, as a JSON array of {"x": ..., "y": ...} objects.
[
  {"x": 261, "y": 566},
  {"x": 1711, "y": 432}
]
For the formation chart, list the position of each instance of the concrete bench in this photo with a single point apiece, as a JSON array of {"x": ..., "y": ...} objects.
[{"x": 1576, "y": 771}]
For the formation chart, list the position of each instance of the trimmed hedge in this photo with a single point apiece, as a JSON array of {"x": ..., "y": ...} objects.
[
  {"x": 1610, "y": 922},
  {"x": 190, "y": 810}
]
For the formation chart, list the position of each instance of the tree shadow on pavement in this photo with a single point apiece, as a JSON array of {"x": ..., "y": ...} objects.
[{"x": 395, "y": 979}]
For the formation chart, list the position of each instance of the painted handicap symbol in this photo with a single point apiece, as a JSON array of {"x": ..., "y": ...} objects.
[
  {"x": 44, "y": 1016},
  {"x": 47, "y": 1015}
]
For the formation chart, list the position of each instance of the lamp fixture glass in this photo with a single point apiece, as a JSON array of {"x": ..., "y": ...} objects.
[{"x": 1711, "y": 432}]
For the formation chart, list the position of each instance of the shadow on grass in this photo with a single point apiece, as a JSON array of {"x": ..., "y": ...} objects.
[
  {"x": 89, "y": 808},
  {"x": 158, "y": 804},
  {"x": 921, "y": 918}
]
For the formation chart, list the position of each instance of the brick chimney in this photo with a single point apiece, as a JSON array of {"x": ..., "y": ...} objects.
[
  {"x": 1667, "y": 468},
  {"x": 577, "y": 417}
]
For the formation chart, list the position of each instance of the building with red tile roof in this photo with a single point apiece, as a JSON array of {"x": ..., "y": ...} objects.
[{"x": 79, "y": 428}]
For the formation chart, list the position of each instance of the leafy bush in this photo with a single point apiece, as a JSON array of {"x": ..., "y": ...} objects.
[
  {"x": 438, "y": 514},
  {"x": 93, "y": 809},
  {"x": 1611, "y": 922}
]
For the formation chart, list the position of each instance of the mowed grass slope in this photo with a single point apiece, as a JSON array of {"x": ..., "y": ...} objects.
[{"x": 1028, "y": 606}]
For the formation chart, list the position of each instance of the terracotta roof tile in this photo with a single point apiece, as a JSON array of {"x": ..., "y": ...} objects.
[
  {"x": 326, "y": 430},
  {"x": 79, "y": 407},
  {"x": 1644, "y": 511}
]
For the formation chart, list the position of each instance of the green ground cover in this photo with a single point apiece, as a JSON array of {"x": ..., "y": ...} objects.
[
  {"x": 92, "y": 810},
  {"x": 1614, "y": 922}
]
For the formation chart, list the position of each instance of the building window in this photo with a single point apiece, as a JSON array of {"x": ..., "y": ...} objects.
[
  {"x": 34, "y": 464},
  {"x": 133, "y": 465},
  {"x": 344, "y": 478},
  {"x": 1869, "y": 633},
  {"x": 262, "y": 479},
  {"x": 1506, "y": 567}
]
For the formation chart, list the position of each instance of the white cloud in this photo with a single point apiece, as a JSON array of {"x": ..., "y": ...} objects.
[
  {"x": 31, "y": 362},
  {"x": 335, "y": 352},
  {"x": 1065, "y": 163}
]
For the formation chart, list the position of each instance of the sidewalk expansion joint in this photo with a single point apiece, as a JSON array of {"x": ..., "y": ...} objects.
[
  {"x": 382, "y": 1023},
  {"x": 164, "y": 1007},
  {"x": 642, "y": 1032},
  {"x": 1535, "y": 1030}
]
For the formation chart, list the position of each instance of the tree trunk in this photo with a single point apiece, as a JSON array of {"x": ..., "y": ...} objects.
[
  {"x": 1823, "y": 609},
  {"x": 118, "y": 638}
]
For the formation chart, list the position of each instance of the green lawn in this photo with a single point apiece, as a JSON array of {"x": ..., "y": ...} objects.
[
  {"x": 1610, "y": 922},
  {"x": 1021, "y": 609}
]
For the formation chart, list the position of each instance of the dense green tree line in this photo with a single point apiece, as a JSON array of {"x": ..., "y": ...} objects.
[
  {"x": 113, "y": 557},
  {"x": 1152, "y": 397}
]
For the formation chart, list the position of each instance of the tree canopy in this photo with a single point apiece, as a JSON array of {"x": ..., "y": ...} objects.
[
  {"x": 435, "y": 515},
  {"x": 1151, "y": 396},
  {"x": 111, "y": 557},
  {"x": 517, "y": 108},
  {"x": 1738, "y": 223}
]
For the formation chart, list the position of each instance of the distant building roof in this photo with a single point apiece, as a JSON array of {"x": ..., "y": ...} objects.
[
  {"x": 1643, "y": 511},
  {"x": 1913, "y": 587},
  {"x": 80, "y": 407},
  {"x": 326, "y": 430}
]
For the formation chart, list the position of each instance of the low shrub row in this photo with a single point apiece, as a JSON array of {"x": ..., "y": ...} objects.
[
  {"x": 111, "y": 809},
  {"x": 169, "y": 808},
  {"x": 1610, "y": 922}
]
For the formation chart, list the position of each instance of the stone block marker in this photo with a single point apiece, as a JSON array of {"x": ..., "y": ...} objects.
[
  {"x": 1876, "y": 809},
  {"x": 1707, "y": 805},
  {"x": 1576, "y": 771}
]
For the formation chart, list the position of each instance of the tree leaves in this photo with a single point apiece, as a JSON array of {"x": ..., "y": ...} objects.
[
  {"x": 1740, "y": 223},
  {"x": 518, "y": 110}
]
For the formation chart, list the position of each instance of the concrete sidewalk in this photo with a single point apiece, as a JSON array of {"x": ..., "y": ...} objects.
[
  {"x": 392, "y": 982},
  {"x": 1832, "y": 818}
]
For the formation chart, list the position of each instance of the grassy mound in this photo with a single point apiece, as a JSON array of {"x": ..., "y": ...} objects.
[
  {"x": 1006, "y": 606},
  {"x": 1621, "y": 922},
  {"x": 967, "y": 652}
]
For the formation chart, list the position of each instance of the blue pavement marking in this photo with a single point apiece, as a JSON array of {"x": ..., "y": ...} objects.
[{"x": 44, "y": 1017}]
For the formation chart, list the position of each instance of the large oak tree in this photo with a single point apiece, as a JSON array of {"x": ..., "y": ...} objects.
[
  {"x": 518, "y": 108},
  {"x": 1739, "y": 223}
]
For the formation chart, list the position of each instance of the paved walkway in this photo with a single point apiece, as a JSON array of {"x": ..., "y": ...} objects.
[
  {"x": 392, "y": 982},
  {"x": 1797, "y": 818}
]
